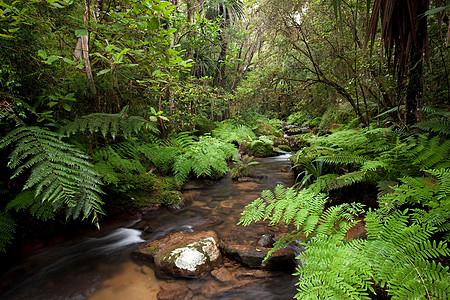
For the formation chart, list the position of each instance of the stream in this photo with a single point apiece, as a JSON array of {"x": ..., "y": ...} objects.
[{"x": 100, "y": 266}]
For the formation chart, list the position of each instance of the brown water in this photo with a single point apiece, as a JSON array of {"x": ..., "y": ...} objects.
[{"x": 100, "y": 266}]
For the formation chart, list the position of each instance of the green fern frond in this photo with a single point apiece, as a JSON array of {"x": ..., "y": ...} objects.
[
  {"x": 429, "y": 153},
  {"x": 27, "y": 200},
  {"x": 60, "y": 173},
  {"x": 304, "y": 209},
  {"x": 7, "y": 229},
  {"x": 233, "y": 133},
  {"x": 343, "y": 159},
  {"x": 401, "y": 255},
  {"x": 326, "y": 274},
  {"x": 346, "y": 180},
  {"x": 114, "y": 124},
  {"x": 440, "y": 126},
  {"x": 182, "y": 140},
  {"x": 207, "y": 157}
]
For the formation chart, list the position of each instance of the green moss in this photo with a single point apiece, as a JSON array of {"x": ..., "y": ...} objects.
[
  {"x": 170, "y": 198},
  {"x": 284, "y": 148},
  {"x": 153, "y": 248},
  {"x": 261, "y": 148},
  {"x": 268, "y": 130}
]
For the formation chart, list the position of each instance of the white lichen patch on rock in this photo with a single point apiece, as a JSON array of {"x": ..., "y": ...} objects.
[
  {"x": 190, "y": 256},
  {"x": 211, "y": 249}
]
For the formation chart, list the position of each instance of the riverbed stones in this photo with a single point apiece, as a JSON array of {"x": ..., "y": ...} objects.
[
  {"x": 223, "y": 275},
  {"x": 184, "y": 254},
  {"x": 283, "y": 259}
]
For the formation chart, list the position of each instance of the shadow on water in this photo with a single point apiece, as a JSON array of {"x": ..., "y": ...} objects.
[{"x": 99, "y": 267}]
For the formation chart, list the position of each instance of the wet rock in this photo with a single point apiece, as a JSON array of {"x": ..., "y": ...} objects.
[
  {"x": 214, "y": 292},
  {"x": 184, "y": 254},
  {"x": 223, "y": 275},
  {"x": 293, "y": 142},
  {"x": 170, "y": 291},
  {"x": 266, "y": 241},
  {"x": 143, "y": 225},
  {"x": 253, "y": 256}
]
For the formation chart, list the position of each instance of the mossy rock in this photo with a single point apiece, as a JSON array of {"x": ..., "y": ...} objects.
[
  {"x": 170, "y": 198},
  {"x": 285, "y": 148},
  {"x": 261, "y": 149},
  {"x": 267, "y": 130}
]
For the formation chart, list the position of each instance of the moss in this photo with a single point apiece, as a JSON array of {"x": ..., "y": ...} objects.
[
  {"x": 284, "y": 148},
  {"x": 153, "y": 248},
  {"x": 261, "y": 148},
  {"x": 268, "y": 130},
  {"x": 170, "y": 198}
]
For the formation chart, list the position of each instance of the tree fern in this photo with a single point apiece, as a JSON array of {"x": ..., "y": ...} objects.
[{"x": 59, "y": 173}]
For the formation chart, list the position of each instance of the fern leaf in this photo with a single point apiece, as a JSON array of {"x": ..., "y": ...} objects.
[
  {"x": 7, "y": 229},
  {"x": 59, "y": 174}
]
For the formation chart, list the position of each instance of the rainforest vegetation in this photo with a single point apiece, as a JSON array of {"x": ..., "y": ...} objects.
[{"x": 116, "y": 104}]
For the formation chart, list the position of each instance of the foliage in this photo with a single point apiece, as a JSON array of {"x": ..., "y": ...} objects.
[
  {"x": 38, "y": 208},
  {"x": 114, "y": 124},
  {"x": 230, "y": 132},
  {"x": 59, "y": 172},
  {"x": 396, "y": 256},
  {"x": 208, "y": 157},
  {"x": 7, "y": 229},
  {"x": 242, "y": 167},
  {"x": 354, "y": 156}
]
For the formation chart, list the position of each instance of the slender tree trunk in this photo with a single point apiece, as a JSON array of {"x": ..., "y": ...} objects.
[{"x": 414, "y": 88}]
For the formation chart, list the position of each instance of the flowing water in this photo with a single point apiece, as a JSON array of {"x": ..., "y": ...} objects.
[{"x": 100, "y": 266}]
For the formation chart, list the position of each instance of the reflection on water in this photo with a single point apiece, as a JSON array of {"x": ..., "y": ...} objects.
[{"x": 100, "y": 267}]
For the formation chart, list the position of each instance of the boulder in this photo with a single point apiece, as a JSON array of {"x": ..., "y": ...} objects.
[
  {"x": 184, "y": 254},
  {"x": 283, "y": 259},
  {"x": 266, "y": 241}
]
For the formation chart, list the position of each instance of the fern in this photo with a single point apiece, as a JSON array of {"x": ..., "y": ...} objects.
[
  {"x": 400, "y": 256},
  {"x": 59, "y": 173},
  {"x": 207, "y": 156},
  {"x": 327, "y": 274},
  {"x": 230, "y": 133},
  {"x": 304, "y": 209},
  {"x": 396, "y": 256},
  {"x": 7, "y": 229},
  {"x": 432, "y": 192},
  {"x": 440, "y": 126},
  {"x": 27, "y": 200},
  {"x": 114, "y": 124}
]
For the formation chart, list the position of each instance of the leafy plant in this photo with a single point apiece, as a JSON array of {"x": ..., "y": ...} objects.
[
  {"x": 206, "y": 158},
  {"x": 59, "y": 173},
  {"x": 397, "y": 256},
  {"x": 242, "y": 167},
  {"x": 229, "y": 132}
]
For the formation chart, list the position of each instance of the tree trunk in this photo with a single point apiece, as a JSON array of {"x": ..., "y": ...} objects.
[{"x": 414, "y": 88}]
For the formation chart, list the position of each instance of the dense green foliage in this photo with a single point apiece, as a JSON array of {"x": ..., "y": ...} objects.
[
  {"x": 102, "y": 100},
  {"x": 406, "y": 232}
]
